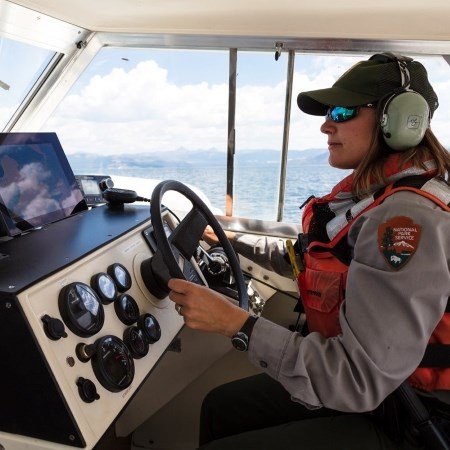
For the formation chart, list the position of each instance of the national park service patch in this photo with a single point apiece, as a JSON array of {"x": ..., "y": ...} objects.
[{"x": 398, "y": 239}]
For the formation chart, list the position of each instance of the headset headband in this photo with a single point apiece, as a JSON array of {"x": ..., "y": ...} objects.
[{"x": 402, "y": 62}]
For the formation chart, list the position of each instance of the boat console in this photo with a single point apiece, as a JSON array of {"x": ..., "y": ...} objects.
[{"x": 79, "y": 331}]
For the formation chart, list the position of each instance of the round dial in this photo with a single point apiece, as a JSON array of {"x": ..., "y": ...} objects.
[
  {"x": 135, "y": 341},
  {"x": 112, "y": 363},
  {"x": 105, "y": 287},
  {"x": 81, "y": 309},
  {"x": 150, "y": 328},
  {"x": 121, "y": 276},
  {"x": 127, "y": 309}
]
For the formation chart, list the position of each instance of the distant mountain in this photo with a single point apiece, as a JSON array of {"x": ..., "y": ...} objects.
[
  {"x": 183, "y": 157},
  {"x": 310, "y": 156}
]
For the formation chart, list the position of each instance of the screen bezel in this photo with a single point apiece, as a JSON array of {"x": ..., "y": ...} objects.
[{"x": 12, "y": 227}]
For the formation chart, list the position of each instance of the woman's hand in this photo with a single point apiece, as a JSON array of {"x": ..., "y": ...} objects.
[
  {"x": 211, "y": 238},
  {"x": 206, "y": 310}
]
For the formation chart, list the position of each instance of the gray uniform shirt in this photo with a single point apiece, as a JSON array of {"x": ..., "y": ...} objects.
[{"x": 386, "y": 319}]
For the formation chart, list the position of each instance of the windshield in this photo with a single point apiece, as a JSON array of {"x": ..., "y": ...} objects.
[{"x": 163, "y": 114}]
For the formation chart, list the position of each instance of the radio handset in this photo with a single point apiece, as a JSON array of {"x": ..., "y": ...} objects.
[{"x": 117, "y": 196}]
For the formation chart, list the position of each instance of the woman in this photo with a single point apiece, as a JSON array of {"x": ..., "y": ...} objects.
[{"x": 375, "y": 287}]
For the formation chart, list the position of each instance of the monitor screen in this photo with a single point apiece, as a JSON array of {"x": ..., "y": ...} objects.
[
  {"x": 37, "y": 185},
  {"x": 90, "y": 186}
]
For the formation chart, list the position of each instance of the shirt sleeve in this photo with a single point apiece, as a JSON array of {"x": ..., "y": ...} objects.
[
  {"x": 386, "y": 319},
  {"x": 268, "y": 252}
]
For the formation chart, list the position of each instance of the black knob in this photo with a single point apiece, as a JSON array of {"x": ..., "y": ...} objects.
[
  {"x": 87, "y": 390},
  {"x": 106, "y": 183},
  {"x": 53, "y": 328}
]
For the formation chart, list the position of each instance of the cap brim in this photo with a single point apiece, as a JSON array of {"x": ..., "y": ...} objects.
[{"x": 317, "y": 102}]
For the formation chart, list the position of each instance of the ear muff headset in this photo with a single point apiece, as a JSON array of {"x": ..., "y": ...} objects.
[
  {"x": 404, "y": 120},
  {"x": 405, "y": 114}
]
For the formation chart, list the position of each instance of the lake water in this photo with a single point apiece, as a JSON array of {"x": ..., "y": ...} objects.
[{"x": 256, "y": 186}]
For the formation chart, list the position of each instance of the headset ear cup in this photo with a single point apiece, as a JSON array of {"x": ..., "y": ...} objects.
[{"x": 404, "y": 120}]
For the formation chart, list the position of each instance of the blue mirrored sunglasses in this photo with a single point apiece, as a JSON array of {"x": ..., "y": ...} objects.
[{"x": 342, "y": 113}]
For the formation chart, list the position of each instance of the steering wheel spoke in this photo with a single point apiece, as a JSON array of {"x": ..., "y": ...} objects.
[{"x": 188, "y": 233}]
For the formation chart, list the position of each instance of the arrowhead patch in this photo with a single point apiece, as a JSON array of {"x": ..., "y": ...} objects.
[{"x": 398, "y": 240}]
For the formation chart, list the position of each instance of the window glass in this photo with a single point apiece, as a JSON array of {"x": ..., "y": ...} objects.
[
  {"x": 163, "y": 114},
  {"x": 17, "y": 79},
  {"x": 156, "y": 114},
  {"x": 260, "y": 106}
]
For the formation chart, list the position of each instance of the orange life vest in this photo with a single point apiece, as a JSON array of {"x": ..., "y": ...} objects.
[{"x": 322, "y": 285}]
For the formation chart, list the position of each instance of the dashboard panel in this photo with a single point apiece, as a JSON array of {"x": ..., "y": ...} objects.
[{"x": 79, "y": 330}]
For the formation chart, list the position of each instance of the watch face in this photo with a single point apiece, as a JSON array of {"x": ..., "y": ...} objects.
[{"x": 240, "y": 341}]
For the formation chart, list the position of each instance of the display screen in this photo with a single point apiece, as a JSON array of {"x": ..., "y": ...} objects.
[
  {"x": 37, "y": 185},
  {"x": 90, "y": 186}
]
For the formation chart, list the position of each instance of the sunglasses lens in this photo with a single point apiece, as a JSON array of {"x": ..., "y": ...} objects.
[{"x": 341, "y": 113}]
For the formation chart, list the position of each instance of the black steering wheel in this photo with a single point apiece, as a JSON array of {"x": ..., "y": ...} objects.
[{"x": 185, "y": 239}]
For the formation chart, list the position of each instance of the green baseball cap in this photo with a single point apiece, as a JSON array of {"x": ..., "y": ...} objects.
[{"x": 367, "y": 82}]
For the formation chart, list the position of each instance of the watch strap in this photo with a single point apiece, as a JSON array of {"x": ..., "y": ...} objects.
[
  {"x": 241, "y": 340},
  {"x": 247, "y": 328}
]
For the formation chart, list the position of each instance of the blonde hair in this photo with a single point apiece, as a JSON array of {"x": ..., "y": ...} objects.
[{"x": 371, "y": 169}]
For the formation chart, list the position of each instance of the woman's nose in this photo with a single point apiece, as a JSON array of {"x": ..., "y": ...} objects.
[{"x": 327, "y": 126}]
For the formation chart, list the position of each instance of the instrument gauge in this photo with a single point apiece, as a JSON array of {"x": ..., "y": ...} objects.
[
  {"x": 150, "y": 328},
  {"x": 120, "y": 275},
  {"x": 112, "y": 363},
  {"x": 81, "y": 309},
  {"x": 127, "y": 309},
  {"x": 135, "y": 341},
  {"x": 105, "y": 287}
]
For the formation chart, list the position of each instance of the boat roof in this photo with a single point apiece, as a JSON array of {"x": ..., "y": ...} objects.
[{"x": 281, "y": 19}]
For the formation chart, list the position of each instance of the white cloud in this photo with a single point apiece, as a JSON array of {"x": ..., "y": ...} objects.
[{"x": 142, "y": 111}]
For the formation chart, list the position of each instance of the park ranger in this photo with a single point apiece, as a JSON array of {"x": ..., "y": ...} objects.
[{"x": 374, "y": 285}]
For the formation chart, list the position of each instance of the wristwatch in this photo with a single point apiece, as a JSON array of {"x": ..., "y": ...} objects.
[{"x": 241, "y": 339}]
